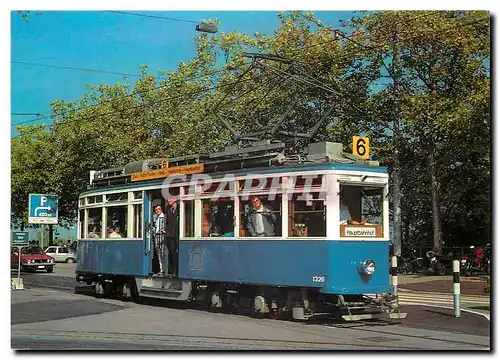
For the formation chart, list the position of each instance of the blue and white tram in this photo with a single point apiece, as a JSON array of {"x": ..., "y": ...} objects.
[{"x": 327, "y": 250}]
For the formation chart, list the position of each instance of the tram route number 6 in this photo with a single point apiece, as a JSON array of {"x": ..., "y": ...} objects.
[{"x": 361, "y": 147}]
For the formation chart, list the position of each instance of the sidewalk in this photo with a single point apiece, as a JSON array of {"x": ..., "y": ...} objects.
[{"x": 443, "y": 284}]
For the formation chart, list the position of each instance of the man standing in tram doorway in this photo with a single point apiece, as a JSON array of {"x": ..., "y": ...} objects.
[
  {"x": 159, "y": 238},
  {"x": 173, "y": 237}
]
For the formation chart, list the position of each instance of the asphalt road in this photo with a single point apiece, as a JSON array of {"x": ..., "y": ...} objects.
[
  {"x": 49, "y": 315},
  {"x": 47, "y": 319}
]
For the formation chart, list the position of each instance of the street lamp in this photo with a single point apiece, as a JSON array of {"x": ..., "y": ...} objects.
[{"x": 208, "y": 28}]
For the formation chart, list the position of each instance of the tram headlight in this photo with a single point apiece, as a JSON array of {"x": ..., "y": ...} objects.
[{"x": 368, "y": 266}]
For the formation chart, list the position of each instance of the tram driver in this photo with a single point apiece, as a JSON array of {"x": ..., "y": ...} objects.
[
  {"x": 347, "y": 203},
  {"x": 261, "y": 220}
]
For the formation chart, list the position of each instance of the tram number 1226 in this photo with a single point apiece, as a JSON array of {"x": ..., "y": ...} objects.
[{"x": 318, "y": 279}]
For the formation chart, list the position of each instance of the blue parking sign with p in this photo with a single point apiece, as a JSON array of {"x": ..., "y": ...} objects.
[{"x": 43, "y": 209}]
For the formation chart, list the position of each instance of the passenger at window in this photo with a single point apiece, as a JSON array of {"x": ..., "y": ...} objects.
[
  {"x": 261, "y": 220},
  {"x": 115, "y": 233},
  {"x": 95, "y": 233},
  {"x": 230, "y": 233}
]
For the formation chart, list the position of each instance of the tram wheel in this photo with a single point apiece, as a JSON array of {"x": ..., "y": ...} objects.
[
  {"x": 216, "y": 301},
  {"x": 99, "y": 288},
  {"x": 134, "y": 293},
  {"x": 125, "y": 291}
]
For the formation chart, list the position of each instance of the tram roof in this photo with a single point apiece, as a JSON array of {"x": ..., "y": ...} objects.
[{"x": 243, "y": 172}]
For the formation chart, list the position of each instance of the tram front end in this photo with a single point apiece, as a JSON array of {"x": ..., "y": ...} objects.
[{"x": 357, "y": 285}]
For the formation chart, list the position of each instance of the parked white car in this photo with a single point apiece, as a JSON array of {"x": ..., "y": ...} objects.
[{"x": 61, "y": 254}]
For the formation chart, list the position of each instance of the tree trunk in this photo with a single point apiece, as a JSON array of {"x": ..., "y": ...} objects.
[
  {"x": 437, "y": 245},
  {"x": 396, "y": 171},
  {"x": 397, "y": 204}
]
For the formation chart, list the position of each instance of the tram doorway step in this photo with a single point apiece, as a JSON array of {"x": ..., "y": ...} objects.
[{"x": 164, "y": 288}]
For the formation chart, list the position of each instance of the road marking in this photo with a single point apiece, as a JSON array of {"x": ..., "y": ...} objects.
[
  {"x": 442, "y": 300},
  {"x": 403, "y": 290},
  {"x": 418, "y": 296}
]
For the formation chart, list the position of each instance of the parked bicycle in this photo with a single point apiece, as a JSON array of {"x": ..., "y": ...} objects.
[{"x": 412, "y": 264}]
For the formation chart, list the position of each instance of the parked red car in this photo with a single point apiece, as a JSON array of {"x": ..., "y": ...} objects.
[{"x": 32, "y": 259}]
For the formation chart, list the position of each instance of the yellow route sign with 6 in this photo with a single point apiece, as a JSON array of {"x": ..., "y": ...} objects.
[{"x": 361, "y": 147}]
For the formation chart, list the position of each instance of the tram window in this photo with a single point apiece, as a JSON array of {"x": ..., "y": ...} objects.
[
  {"x": 361, "y": 205},
  {"x": 81, "y": 202},
  {"x": 94, "y": 223},
  {"x": 137, "y": 195},
  {"x": 188, "y": 218},
  {"x": 137, "y": 221},
  {"x": 306, "y": 218},
  {"x": 261, "y": 216},
  {"x": 217, "y": 218},
  {"x": 121, "y": 197},
  {"x": 116, "y": 222},
  {"x": 81, "y": 224},
  {"x": 94, "y": 199}
]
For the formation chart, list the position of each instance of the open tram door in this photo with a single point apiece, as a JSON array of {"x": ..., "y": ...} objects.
[{"x": 152, "y": 199}]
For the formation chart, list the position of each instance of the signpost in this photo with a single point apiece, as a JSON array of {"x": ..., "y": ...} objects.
[
  {"x": 19, "y": 239},
  {"x": 43, "y": 209}
]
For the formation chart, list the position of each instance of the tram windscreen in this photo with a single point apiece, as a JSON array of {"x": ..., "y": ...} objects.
[{"x": 361, "y": 205}]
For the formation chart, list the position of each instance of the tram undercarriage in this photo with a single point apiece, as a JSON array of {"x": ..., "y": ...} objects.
[{"x": 265, "y": 301}]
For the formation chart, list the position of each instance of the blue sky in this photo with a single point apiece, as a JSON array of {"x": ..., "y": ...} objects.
[{"x": 111, "y": 42}]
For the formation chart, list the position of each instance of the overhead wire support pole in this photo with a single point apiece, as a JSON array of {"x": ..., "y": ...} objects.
[
  {"x": 255, "y": 56},
  {"x": 316, "y": 127},
  {"x": 297, "y": 78},
  {"x": 283, "y": 117},
  {"x": 233, "y": 132},
  {"x": 232, "y": 87}
]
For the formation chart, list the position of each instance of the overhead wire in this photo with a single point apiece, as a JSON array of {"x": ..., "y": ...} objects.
[
  {"x": 74, "y": 68},
  {"x": 121, "y": 97},
  {"x": 137, "y": 75},
  {"x": 128, "y": 74},
  {"x": 25, "y": 114},
  {"x": 153, "y": 16},
  {"x": 301, "y": 49},
  {"x": 371, "y": 47},
  {"x": 67, "y": 121}
]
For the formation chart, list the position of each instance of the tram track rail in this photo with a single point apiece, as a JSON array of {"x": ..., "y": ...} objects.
[
  {"x": 223, "y": 343},
  {"x": 369, "y": 333}
]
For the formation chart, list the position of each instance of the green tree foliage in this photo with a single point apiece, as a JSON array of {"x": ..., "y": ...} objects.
[
  {"x": 442, "y": 99},
  {"x": 438, "y": 60}
]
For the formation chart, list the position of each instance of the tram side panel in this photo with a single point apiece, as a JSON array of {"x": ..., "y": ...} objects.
[
  {"x": 123, "y": 257},
  {"x": 345, "y": 263},
  {"x": 282, "y": 262},
  {"x": 271, "y": 262},
  {"x": 211, "y": 260},
  {"x": 333, "y": 266}
]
